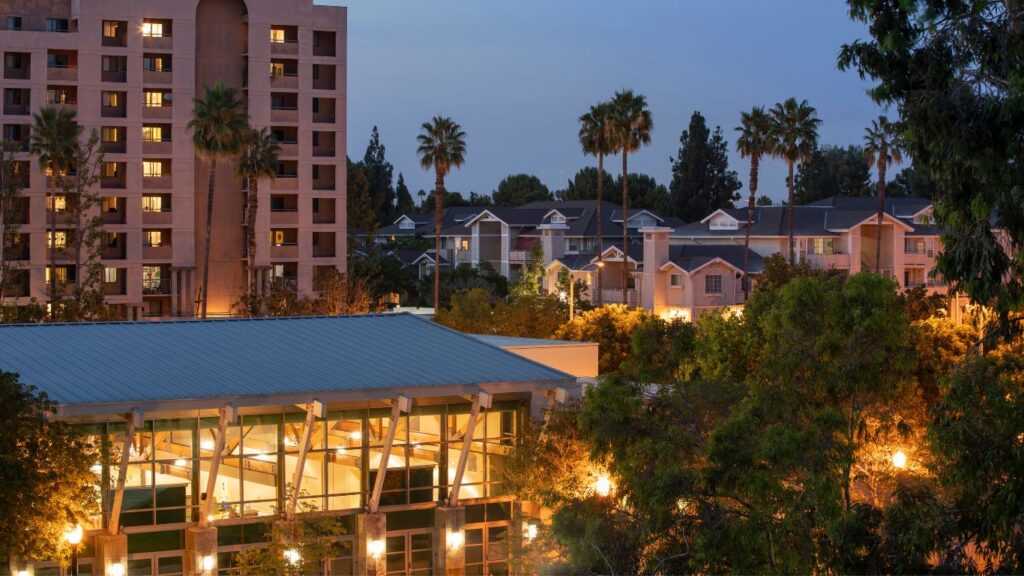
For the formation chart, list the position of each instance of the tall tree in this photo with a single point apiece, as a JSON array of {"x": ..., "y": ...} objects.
[
  {"x": 597, "y": 139},
  {"x": 442, "y": 146},
  {"x": 794, "y": 135},
  {"x": 754, "y": 142},
  {"x": 362, "y": 219},
  {"x": 701, "y": 179},
  {"x": 379, "y": 174},
  {"x": 910, "y": 182},
  {"x": 258, "y": 160},
  {"x": 631, "y": 126},
  {"x": 403, "y": 199},
  {"x": 519, "y": 189},
  {"x": 219, "y": 124},
  {"x": 833, "y": 171},
  {"x": 882, "y": 147},
  {"x": 583, "y": 185},
  {"x": 646, "y": 193},
  {"x": 11, "y": 207},
  {"x": 54, "y": 137}
]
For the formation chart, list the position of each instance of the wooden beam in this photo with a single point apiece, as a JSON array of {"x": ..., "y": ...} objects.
[
  {"x": 315, "y": 409},
  {"x": 134, "y": 420},
  {"x": 398, "y": 406},
  {"x": 556, "y": 396},
  {"x": 480, "y": 399},
  {"x": 227, "y": 415}
]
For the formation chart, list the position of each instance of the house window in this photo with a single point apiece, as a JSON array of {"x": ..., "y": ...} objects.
[
  {"x": 675, "y": 280},
  {"x": 277, "y": 35},
  {"x": 57, "y": 239},
  {"x": 14, "y": 22},
  {"x": 56, "y": 24},
  {"x": 109, "y": 275},
  {"x": 823, "y": 246},
  {"x": 156, "y": 64},
  {"x": 713, "y": 284},
  {"x": 557, "y": 219},
  {"x": 152, "y": 134},
  {"x": 109, "y": 204},
  {"x": 277, "y": 69},
  {"x": 464, "y": 244},
  {"x": 152, "y": 169},
  {"x": 152, "y": 29},
  {"x": 406, "y": 224},
  {"x": 150, "y": 277},
  {"x": 61, "y": 274},
  {"x": 111, "y": 29},
  {"x": 13, "y": 60},
  {"x": 56, "y": 203},
  {"x": 110, "y": 99},
  {"x": 110, "y": 170},
  {"x": 154, "y": 238},
  {"x": 154, "y": 99},
  {"x": 925, "y": 218},
  {"x": 153, "y": 203}
]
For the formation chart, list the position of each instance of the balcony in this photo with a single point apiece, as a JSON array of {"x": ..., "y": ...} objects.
[
  {"x": 290, "y": 283},
  {"x": 157, "y": 112},
  {"x": 22, "y": 70},
  {"x": 115, "y": 146},
  {"x": 286, "y": 81},
  {"x": 519, "y": 256},
  {"x": 20, "y": 251},
  {"x": 923, "y": 258},
  {"x": 324, "y": 216},
  {"x": 163, "y": 252},
  {"x": 284, "y": 48},
  {"x": 324, "y": 150},
  {"x": 62, "y": 73},
  {"x": 16, "y": 109},
  {"x": 614, "y": 296},
  {"x": 324, "y": 245},
  {"x": 164, "y": 76},
  {"x": 157, "y": 148},
  {"x": 288, "y": 149},
  {"x": 324, "y": 77},
  {"x": 115, "y": 33},
  {"x": 324, "y": 184},
  {"x": 323, "y": 117},
  {"x": 120, "y": 111},
  {"x": 150, "y": 218},
  {"x": 284, "y": 114},
  {"x": 114, "y": 252},
  {"x": 119, "y": 76},
  {"x": 157, "y": 182},
  {"x": 115, "y": 215},
  {"x": 116, "y": 288},
  {"x": 114, "y": 182},
  {"x": 829, "y": 261},
  {"x": 19, "y": 285},
  {"x": 284, "y": 217},
  {"x": 324, "y": 43},
  {"x": 156, "y": 286},
  {"x": 284, "y": 251}
]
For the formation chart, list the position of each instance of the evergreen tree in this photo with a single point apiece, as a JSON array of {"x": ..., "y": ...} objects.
[
  {"x": 379, "y": 179},
  {"x": 701, "y": 179},
  {"x": 583, "y": 185},
  {"x": 646, "y": 193},
  {"x": 403, "y": 199},
  {"x": 519, "y": 189},
  {"x": 833, "y": 171},
  {"x": 910, "y": 182},
  {"x": 362, "y": 220}
]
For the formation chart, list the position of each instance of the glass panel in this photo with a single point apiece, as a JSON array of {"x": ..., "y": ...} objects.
[
  {"x": 142, "y": 567},
  {"x": 170, "y": 565},
  {"x": 379, "y": 428}
]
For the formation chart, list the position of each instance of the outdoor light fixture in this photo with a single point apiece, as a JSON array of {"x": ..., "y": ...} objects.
[
  {"x": 375, "y": 548},
  {"x": 208, "y": 563},
  {"x": 603, "y": 486},
  {"x": 206, "y": 444},
  {"x": 357, "y": 436},
  {"x": 340, "y": 451},
  {"x": 455, "y": 540},
  {"x": 531, "y": 532},
  {"x": 292, "y": 556},
  {"x": 74, "y": 535},
  {"x": 181, "y": 463},
  {"x": 96, "y": 469},
  {"x": 899, "y": 459},
  {"x": 115, "y": 569},
  {"x": 22, "y": 572}
]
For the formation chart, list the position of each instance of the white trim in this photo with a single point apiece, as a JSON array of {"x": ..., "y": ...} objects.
[{"x": 722, "y": 212}]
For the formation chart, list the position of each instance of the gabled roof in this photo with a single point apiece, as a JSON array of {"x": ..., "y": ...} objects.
[
  {"x": 107, "y": 368},
  {"x": 616, "y": 215},
  {"x": 691, "y": 258}
]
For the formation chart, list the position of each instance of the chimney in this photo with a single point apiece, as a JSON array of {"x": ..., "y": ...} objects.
[{"x": 552, "y": 237}]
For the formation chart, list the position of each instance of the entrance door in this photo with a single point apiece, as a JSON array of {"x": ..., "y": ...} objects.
[{"x": 410, "y": 552}]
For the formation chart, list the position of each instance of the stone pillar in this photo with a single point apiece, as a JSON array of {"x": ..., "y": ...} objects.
[
  {"x": 899, "y": 236},
  {"x": 174, "y": 292},
  {"x": 110, "y": 551},
  {"x": 450, "y": 540},
  {"x": 200, "y": 551},
  {"x": 371, "y": 541}
]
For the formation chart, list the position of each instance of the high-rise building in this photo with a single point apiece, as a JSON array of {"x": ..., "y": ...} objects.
[{"x": 131, "y": 69}]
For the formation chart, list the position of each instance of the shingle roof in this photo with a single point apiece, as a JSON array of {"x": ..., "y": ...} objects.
[
  {"x": 690, "y": 257},
  {"x": 809, "y": 220},
  {"x": 128, "y": 362}
]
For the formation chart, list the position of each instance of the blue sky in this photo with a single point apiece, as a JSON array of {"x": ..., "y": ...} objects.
[{"x": 518, "y": 74}]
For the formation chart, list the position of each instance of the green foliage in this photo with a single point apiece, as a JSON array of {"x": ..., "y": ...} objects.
[
  {"x": 379, "y": 173},
  {"x": 11, "y": 195},
  {"x": 362, "y": 217},
  {"x": 920, "y": 305},
  {"x": 475, "y": 311},
  {"x": 583, "y": 185},
  {"x": 764, "y": 201},
  {"x": 382, "y": 274},
  {"x": 519, "y": 189},
  {"x": 910, "y": 182},
  {"x": 450, "y": 199},
  {"x": 45, "y": 470},
  {"x": 940, "y": 345},
  {"x": 335, "y": 294},
  {"x": 611, "y": 327},
  {"x": 646, "y": 193},
  {"x": 833, "y": 171},
  {"x": 258, "y": 160},
  {"x": 463, "y": 277},
  {"x": 403, "y": 199},
  {"x": 701, "y": 179},
  {"x": 529, "y": 281}
]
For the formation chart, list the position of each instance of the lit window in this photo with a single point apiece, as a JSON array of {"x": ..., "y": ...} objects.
[
  {"x": 152, "y": 169},
  {"x": 111, "y": 99},
  {"x": 156, "y": 64},
  {"x": 151, "y": 29},
  {"x": 111, "y": 29},
  {"x": 56, "y": 203},
  {"x": 152, "y": 134},
  {"x": 464, "y": 245},
  {"x": 109, "y": 275},
  {"x": 153, "y": 99},
  {"x": 150, "y": 277},
  {"x": 61, "y": 274},
  {"x": 277, "y": 35},
  {"x": 676, "y": 280},
  {"x": 154, "y": 238},
  {"x": 823, "y": 246},
  {"x": 152, "y": 203},
  {"x": 58, "y": 239},
  {"x": 713, "y": 284},
  {"x": 276, "y": 69},
  {"x": 110, "y": 134},
  {"x": 278, "y": 239},
  {"x": 110, "y": 170},
  {"x": 110, "y": 204}
]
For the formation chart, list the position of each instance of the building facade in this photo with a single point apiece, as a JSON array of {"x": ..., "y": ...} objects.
[
  {"x": 130, "y": 70},
  {"x": 401, "y": 454}
]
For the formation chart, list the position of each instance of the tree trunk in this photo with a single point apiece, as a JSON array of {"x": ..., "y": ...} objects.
[
  {"x": 250, "y": 233},
  {"x": 599, "y": 241},
  {"x": 204, "y": 291},
  {"x": 881, "y": 211},
  {"x": 625, "y": 228},
  {"x": 438, "y": 217},
  {"x": 755, "y": 160},
  {"x": 789, "y": 186},
  {"x": 52, "y": 222}
]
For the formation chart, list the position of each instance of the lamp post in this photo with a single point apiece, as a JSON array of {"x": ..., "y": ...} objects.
[
  {"x": 74, "y": 538},
  {"x": 572, "y": 297}
]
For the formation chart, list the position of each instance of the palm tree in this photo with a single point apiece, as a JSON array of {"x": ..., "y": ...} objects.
[
  {"x": 596, "y": 140},
  {"x": 794, "y": 136},
  {"x": 219, "y": 125},
  {"x": 754, "y": 142},
  {"x": 631, "y": 126},
  {"x": 442, "y": 146},
  {"x": 55, "y": 140},
  {"x": 882, "y": 147},
  {"x": 258, "y": 160}
]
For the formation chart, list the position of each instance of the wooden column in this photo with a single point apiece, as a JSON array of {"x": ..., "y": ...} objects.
[
  {"x": 134, "y": 420},
  {"x": 227, "y": 415},
  {"x": 480, "y": 399}
]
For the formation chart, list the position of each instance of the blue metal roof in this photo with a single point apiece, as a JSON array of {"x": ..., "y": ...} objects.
[{"x": 124, "y": 362}]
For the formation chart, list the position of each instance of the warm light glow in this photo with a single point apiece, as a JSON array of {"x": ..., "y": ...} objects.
[
  {"x": 531, "y": 531},
  {"x": 357, "y": 436},
  {"x": 116, "y": 569},
  {"x": 207, "y": 563},
  {"x": 74, "y": 535},
  {"x": 603, "y": 486},
  {"x": 96, "y": 469},
  {"x": 340, "y": 451},
  {"x": 292, "y": 556},
  {"x": 181, "y": 462},
  {"x": 206, "y": 445},
  {"x": 899, "y": 459},
  {"x": 22, "y": 572},
  {"x": 455, "y": 540},
  {"x": 209, "y": 517},
  {"x": 288, "y": 441},
  {"x": 375, "y": 548}
]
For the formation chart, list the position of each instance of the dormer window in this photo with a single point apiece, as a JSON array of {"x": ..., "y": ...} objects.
[
  {"x": 406, "y": 224},
  {"x": 557, "y": 219},
  {"x": 724, "y": 224},
  {"x": 924, "y": 218}
]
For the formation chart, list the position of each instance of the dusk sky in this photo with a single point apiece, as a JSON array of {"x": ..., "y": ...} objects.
[{"x": 518, "y": 74}]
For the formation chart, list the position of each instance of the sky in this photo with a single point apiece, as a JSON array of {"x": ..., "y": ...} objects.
[{"x": 517, "y": 74}]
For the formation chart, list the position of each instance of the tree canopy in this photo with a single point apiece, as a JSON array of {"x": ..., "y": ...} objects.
[
  {"x": 833, "y": 171},
  {"x": 701, "y": 179},
  {"x": 519, "y": 189}
]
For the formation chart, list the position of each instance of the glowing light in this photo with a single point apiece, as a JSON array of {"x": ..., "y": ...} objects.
[
  {"x": 96, "y": 469},
  {"x": 207, "y": 563},
  {"x": 531, "y": 532},
  {"x": 455, "y": 540},
  {"x": 115, "y": 569},
  {"x": 603, "y": 486},
  {"x": 73, "y": 535},
  {"x": 22, "y": 572},
  {"x": 292, "y": 556},
  {"x": 209, "y": 518},
  {"x": 206, "y": 444},
  {"x": 356, "y": 436},
  {"x": 375, "y": 548},
  {"x": 181, "y": 462},
  {"x": 899, "y": 459},
  {"x": 288, "y": 441}
]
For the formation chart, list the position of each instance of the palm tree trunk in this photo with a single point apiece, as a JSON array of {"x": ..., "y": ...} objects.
[
  {"x": 789, "y": 185},
  {"x": 599, "y": 241},
  {"x": 79, "y": 240},
  {"x": 52, "y": 221},
  {"x": 881, "y": 211},
  {"x": 438, "y": 213},
  {"x": 250, "y": 233},
  {"x": 204, "y": 292},
  {"x": 755, "y": 160},
  {"x": 625, "y": 228}
]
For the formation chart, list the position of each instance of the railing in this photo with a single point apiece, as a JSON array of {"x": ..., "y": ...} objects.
[
  {"x": 518, "y": 255},
  {"x": 114, "y": 76},
  {"x": 614, "y": 296},
  {"x": 286, "y": 282},
  {"x": 156, "y": 286}
]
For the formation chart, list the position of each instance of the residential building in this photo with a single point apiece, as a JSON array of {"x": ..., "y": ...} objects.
[
  {"x": 208, "y": 449},
  {"x": 130, "y": 69}
]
